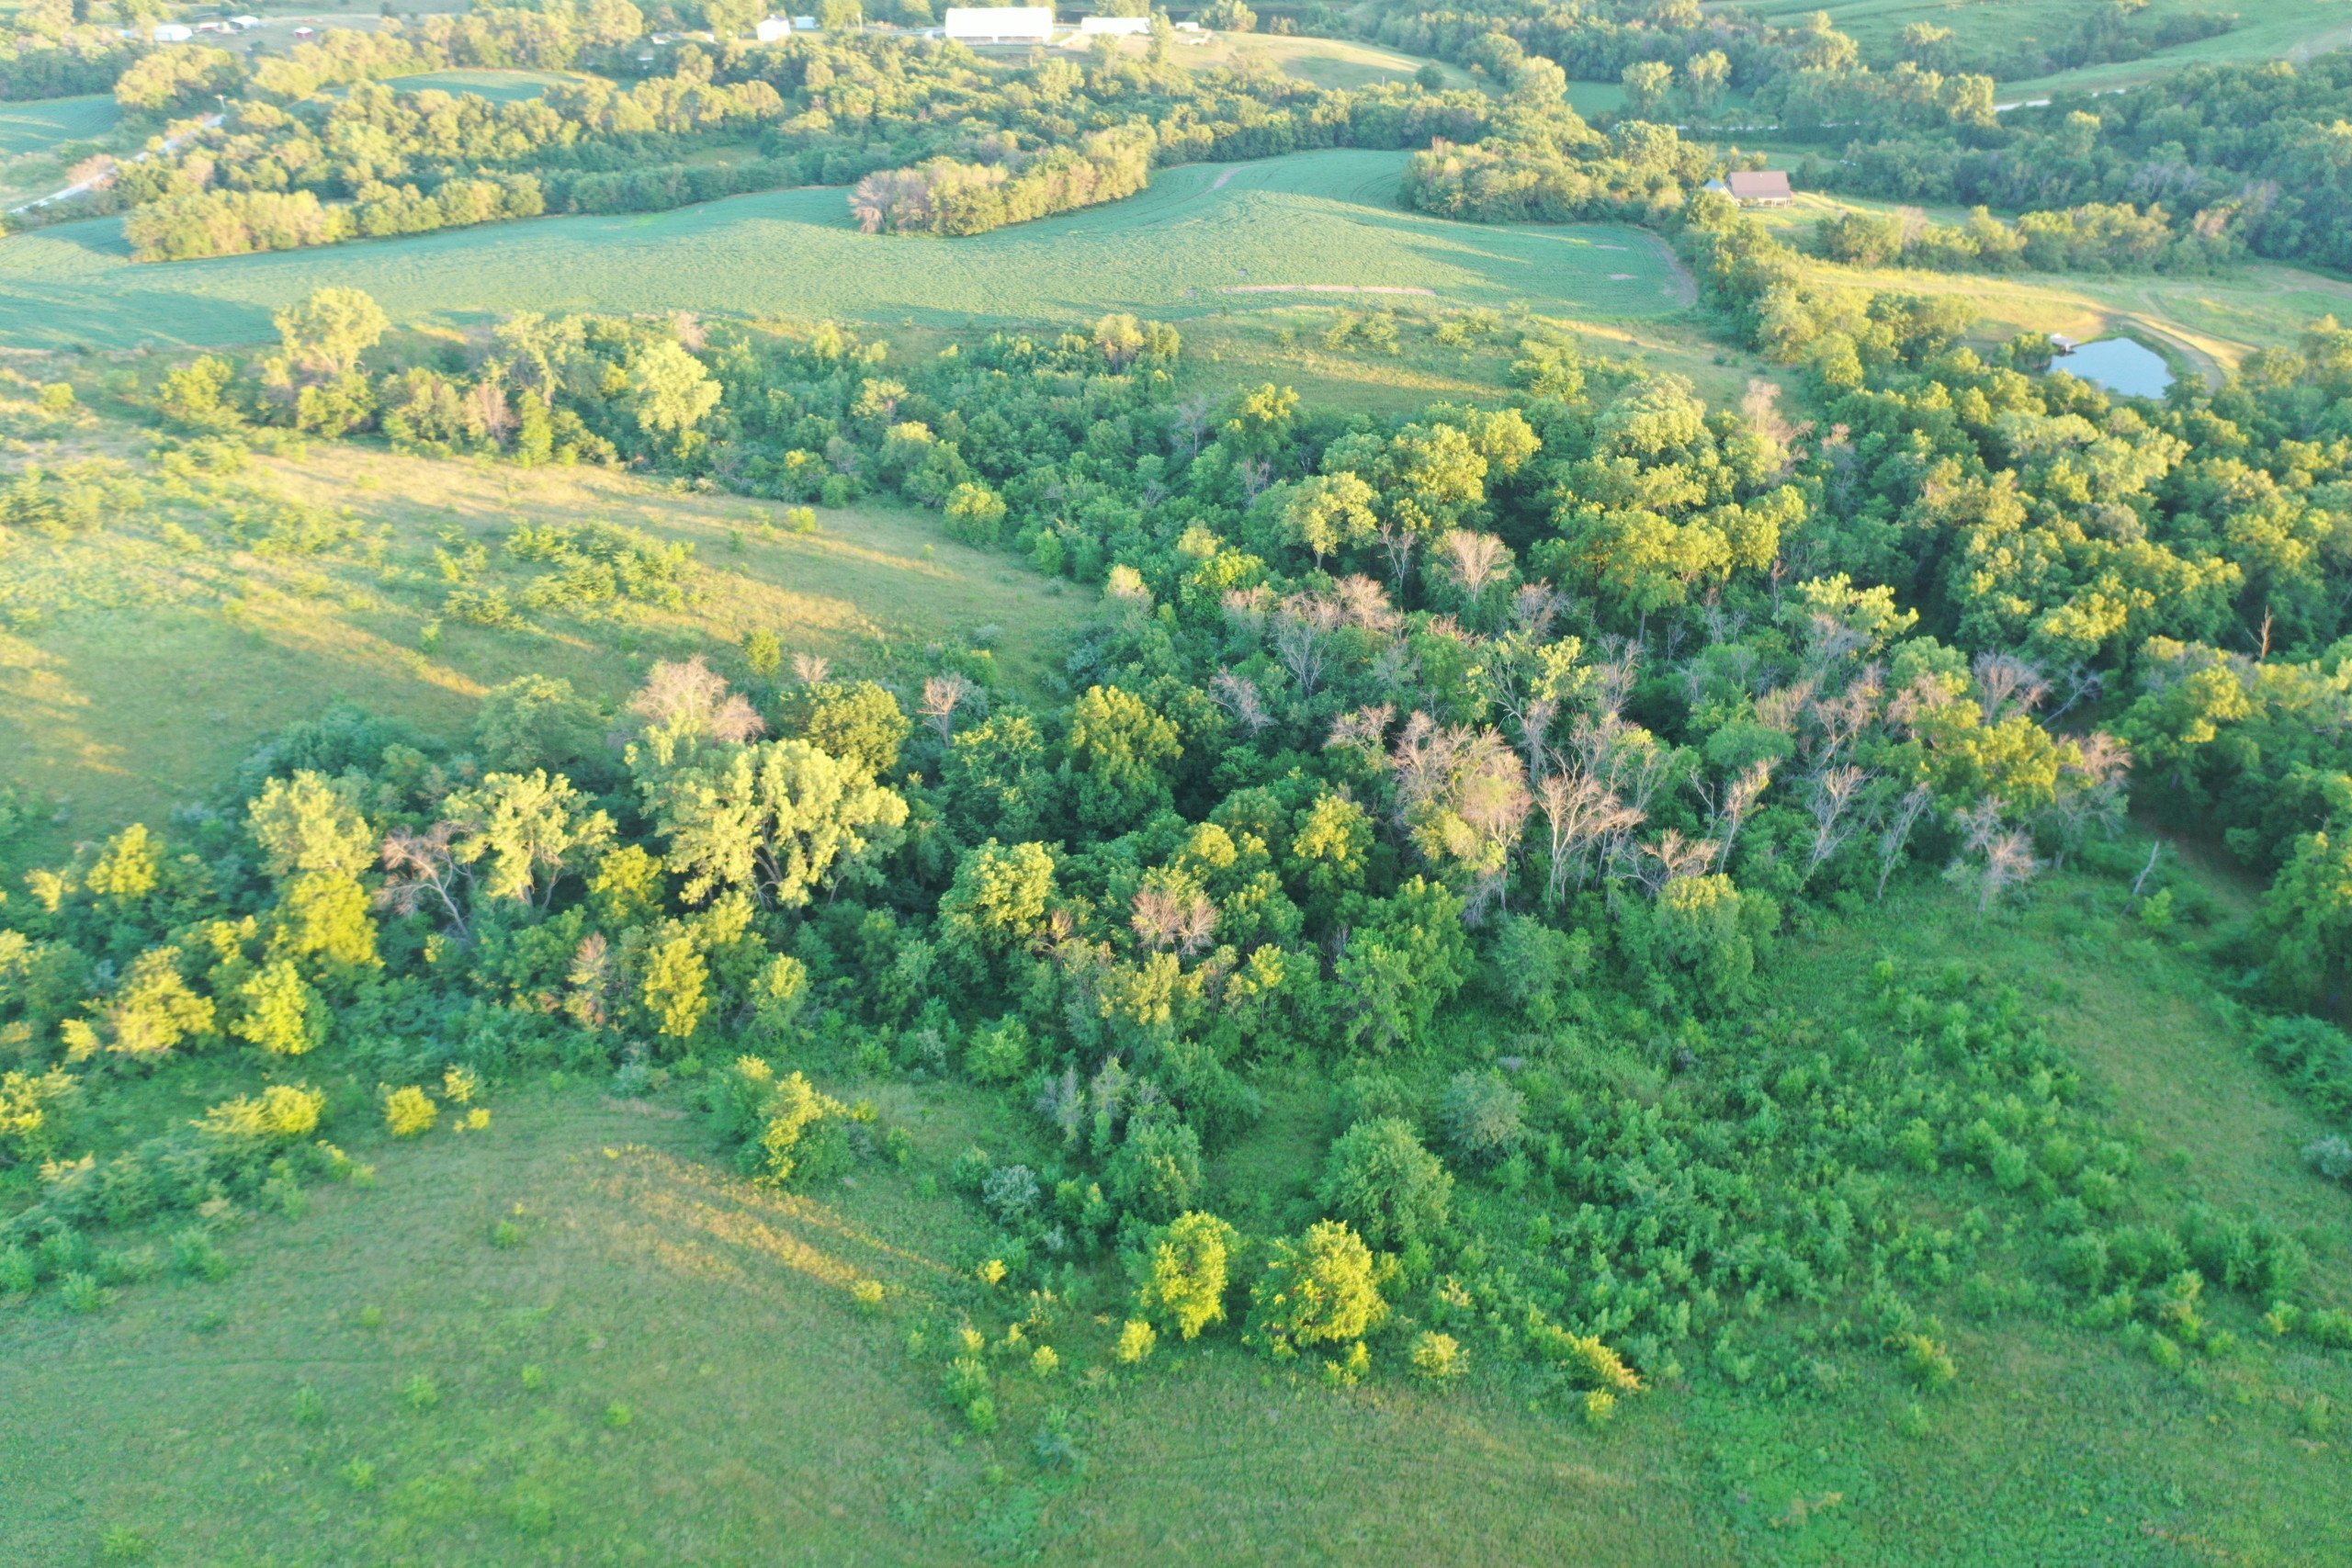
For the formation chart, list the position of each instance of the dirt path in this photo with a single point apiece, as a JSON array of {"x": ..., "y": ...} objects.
[
  {"x": 1222, "y": 176},
  {"x": 1684, "y": 286}
]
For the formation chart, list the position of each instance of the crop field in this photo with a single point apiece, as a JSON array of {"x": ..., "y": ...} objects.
[
  {"x": 518, "y": 1343},
  {"x": 2272, "y": 29},
  {"x": 136, "y": 669},
  {"x": 1273, "y": 229}
]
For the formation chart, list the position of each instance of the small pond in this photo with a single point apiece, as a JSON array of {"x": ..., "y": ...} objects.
[{"x": 2120, "y": 365}]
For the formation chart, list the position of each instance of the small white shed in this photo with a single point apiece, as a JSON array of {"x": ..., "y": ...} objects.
[
  {"x": 173, "y": 32},
  {"x": 772, "y": 30}
]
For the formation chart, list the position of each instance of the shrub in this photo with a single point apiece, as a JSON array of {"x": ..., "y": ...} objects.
[
  {"x": 2331, "y": 1156},
  {"x": 618, "y": 1414},
  {"x": 968, "y": 1390},
  {"x": 420, "y": 1393},
  {"x": 1136, "y": 1341},
  {"x": 410, "y": 1112},
  {"x": 1926, "y": 1362},
  {"x": 1156, "y": 1174},
  {"x": 1368, "y": 1097},
  {"x": 18, "y": 1272},
  {"x": 279, "y": 1114},
  {"x": 81, "y": 1293},
  {"x": 1011, "y": 1193},
  {"x": 999, "y": 1054},
  {"x": 1600, "y": 1407},
  {"x": 197, "y": 1256},
  {"x": 1481, "y": 1117},
  {"x": 799, "y": 1117},
  {"x": 1439, "y": 1357}
]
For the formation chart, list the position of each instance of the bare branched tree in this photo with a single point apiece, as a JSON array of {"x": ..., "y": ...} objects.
[
  {"x": 1729, "y": 803},
  {"x": 2005, "y": 682},
  {"x": 423, "y": 870},
  {"x": 810, "y": 669},
  {"x": 1830, "y": 796},
  {"x": 1672, "y": 856},
  {"x": 689, "y": 700},
  {"x": 1238, "y": 696},
  {"x": 1178, "y": 919},
  {"x": 1586, "y": 817},
  {"x": 1897, "y": 835},
  {"x": 1474, "y": 561},
  {"x": 941, "y": 695}
]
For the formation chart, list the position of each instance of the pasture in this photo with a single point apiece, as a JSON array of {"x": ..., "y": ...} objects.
[
  {"x": 1279, "y": 228},
  {"x": 139, "y": 662}
]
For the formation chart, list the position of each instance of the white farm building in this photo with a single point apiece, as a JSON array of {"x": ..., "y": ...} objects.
[
  {"x": 1000, "y": 24},
  {"x": 772, "y": 30}
]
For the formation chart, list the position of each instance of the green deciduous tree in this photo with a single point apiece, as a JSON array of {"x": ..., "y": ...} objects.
[
  {"x": 782, "y": 819},
  {"x": 1380, "y": 1179},
  {"x": 1322, "y": 1288},
  {"x": 1185, "y": 1273}
]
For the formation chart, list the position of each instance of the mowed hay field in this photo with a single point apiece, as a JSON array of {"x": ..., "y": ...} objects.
[
  {"x": 1276, "y": 227},
  {"x": 140, "y": 664}
]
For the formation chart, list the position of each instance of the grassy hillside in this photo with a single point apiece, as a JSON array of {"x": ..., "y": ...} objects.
[
  {"x": 40, "y": 125},
  {"x": 2207, "y": 324},
  {"x": 1321, "y": 219},
  {"x": 2275, "y": 30},
  {"x": 139, "y": 661},
  {"x": 629, "y": 1356}
]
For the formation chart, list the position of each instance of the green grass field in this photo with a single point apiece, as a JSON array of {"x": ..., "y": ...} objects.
[
  {"x": 1324, "y": 62},
  {"x": 499, "y": 86},
  {"x": 763, "y": 1416},
  {"x": 146, "y": 668},
  {"x": 38, "y": 126},
  {"x": 2272, "y": 29},
  {"x": 1320, "y": 219}
]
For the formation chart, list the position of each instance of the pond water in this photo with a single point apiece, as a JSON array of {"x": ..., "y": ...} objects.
[{"x": 2120, "y": 365}]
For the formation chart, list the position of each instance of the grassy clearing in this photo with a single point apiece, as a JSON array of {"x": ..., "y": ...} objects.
[
  {"x": 150, "y": 666},
  {"x": 499, "y": 86},
  {"x": 1318, "y": 217}
]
